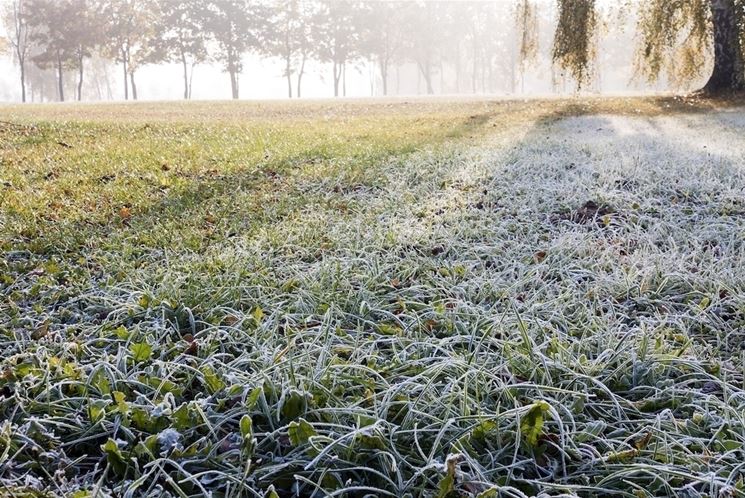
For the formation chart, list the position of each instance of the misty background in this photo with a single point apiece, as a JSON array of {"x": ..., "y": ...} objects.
[{"x": 469, "y": 48}]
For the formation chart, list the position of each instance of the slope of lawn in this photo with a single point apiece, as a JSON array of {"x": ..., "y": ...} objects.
[{"x": 397, "y": 298}]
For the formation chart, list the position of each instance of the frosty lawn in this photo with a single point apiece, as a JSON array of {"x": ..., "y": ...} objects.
[{"x": 404, "y": 299}]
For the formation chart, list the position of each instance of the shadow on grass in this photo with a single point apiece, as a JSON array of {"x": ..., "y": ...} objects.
[{"x": 673, "y": 191}]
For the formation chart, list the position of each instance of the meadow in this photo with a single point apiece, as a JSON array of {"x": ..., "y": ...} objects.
[{"x": 422, "y": 297}]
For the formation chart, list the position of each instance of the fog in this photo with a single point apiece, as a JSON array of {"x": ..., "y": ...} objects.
[
  {"x": 463, "y": 53},
  {"x": 261, "y": 80}
]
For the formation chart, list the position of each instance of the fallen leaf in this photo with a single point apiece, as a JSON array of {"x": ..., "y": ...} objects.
[
  {"x": 40, "y": 331},
  {"x": 192, "y": 348},
  {"x": 125, "y": 213}
]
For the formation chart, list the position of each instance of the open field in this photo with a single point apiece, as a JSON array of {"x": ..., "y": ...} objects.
[{"x": 422, "y": 298}]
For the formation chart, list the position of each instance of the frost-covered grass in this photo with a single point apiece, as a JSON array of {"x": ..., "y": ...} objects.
[{"x": 422, "y": 299}]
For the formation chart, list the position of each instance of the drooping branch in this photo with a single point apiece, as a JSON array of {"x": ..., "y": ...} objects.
[
  {"x": 674, "y": 37},
  {"x": 527, "y": 29},
  {"x": 573, "y": 42}
]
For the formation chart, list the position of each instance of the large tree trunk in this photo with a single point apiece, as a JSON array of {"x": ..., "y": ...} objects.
[{"x": 729, "y": 69}]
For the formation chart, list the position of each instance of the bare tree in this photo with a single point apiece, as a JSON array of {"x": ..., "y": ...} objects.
[
  {"x": 383, "y": 35},
  {"x": 424, "y": 39},
  {"x": 14, "y": 17},
  {"x": 288, "y": 36},
  {"x": 50, "y": 36},
  {"x": 180, "y": 36},
  {"x": 129, "y": 29},
  {"x": 337, "y": 38},
  {"x": 235, "y": 26}
]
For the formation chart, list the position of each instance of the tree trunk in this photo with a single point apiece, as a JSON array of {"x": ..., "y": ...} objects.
[
  {"x": 60, "y": 82},
  {"x": 124, "y": 68},
  {"x": 191, "y": 79},
  {"x": 729, "y": 69},
  {"x": 426, "y": 71},
  {"x": 20, "y": 43},
  {"x": 513, "y": 71},
  {"x": 384, "y": 75},
  {"x": 234, "y": 84},
  {"x": 490, "y": 72},
  {"x": 288, "y": 74},
  {"x": 457, "y": 69},
  {"x": 475, "y": 65},
  {"x": 99, "y": 93},
  {"x": 132, "y": 82},
  {"x": 186, "y": 75},
  {"x": 109, "y": 93},
  {"x": 80, "y": 77},
  {"x": 483, "y": 73},
  {"x": 300, "y": 73},
  {"x": 442, "y": 77},
  {"x": 23, "y": 82},
  {"x": 336, "y": 79}
]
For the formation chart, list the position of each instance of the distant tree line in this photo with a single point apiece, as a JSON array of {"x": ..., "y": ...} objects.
[
  {"x": 63, "y": 36},
  {"x": 474, "y": 44}
]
